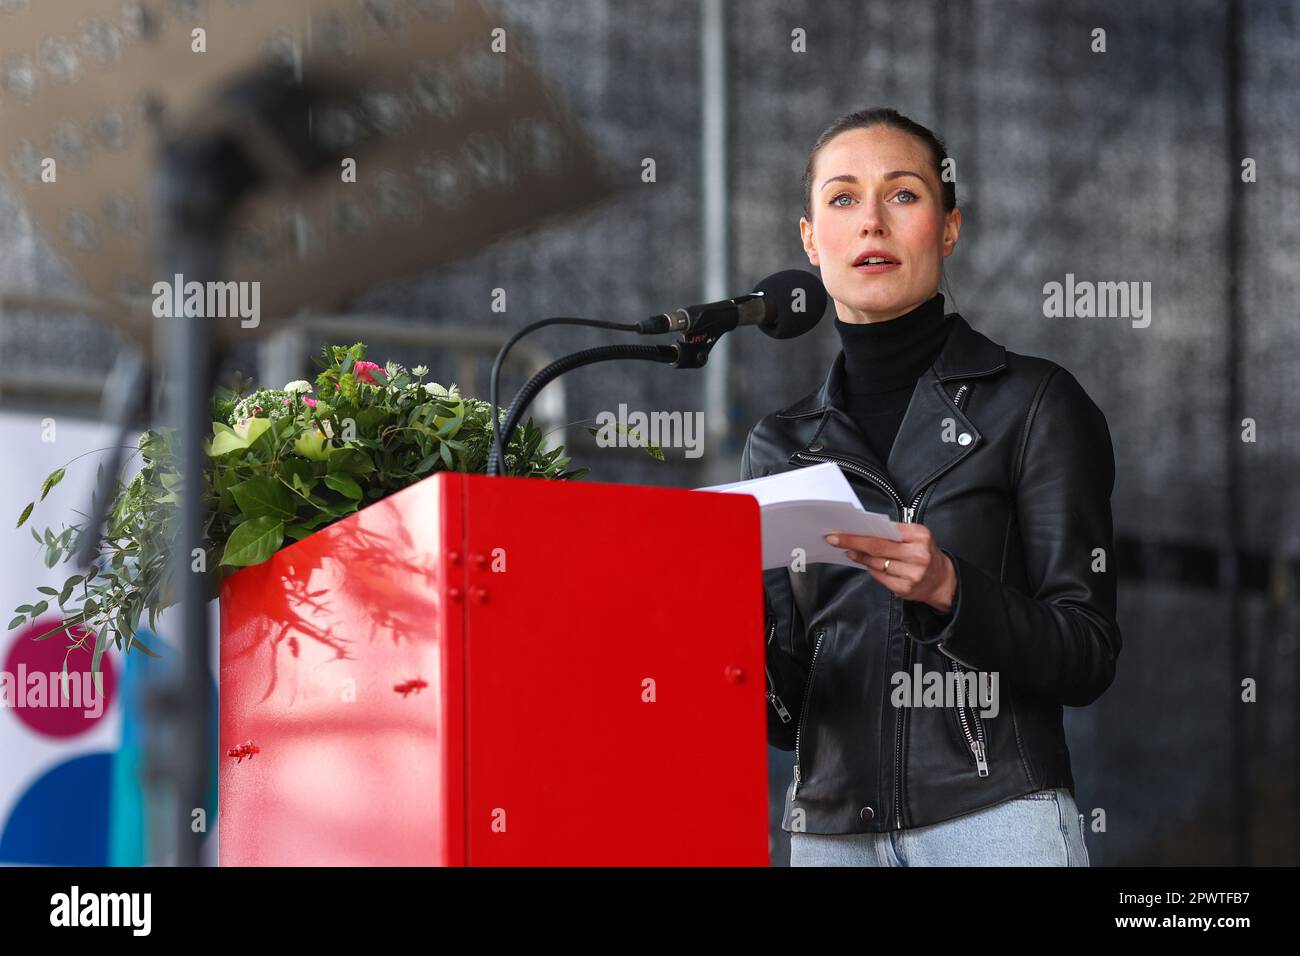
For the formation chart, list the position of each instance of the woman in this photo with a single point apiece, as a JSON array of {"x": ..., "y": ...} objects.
[{"x": 920, "y": 686}]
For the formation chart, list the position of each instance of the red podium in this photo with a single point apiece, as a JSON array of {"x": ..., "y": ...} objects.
[{"x": 501, "y": 671}]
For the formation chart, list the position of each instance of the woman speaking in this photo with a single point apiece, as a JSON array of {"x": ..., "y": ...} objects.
[{"x": 921, "y": 687}]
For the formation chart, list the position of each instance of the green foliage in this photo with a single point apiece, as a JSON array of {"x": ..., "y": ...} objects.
[{"x": 280, "y": 465}]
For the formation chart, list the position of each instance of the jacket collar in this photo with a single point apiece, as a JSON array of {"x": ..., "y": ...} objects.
[
  {"x": 920, "y": 452},
  {"x": 966, "y": 353}
]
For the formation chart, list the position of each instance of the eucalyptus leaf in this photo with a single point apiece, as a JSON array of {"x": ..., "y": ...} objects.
[
  {"x": 145, "y": 649},
  {"x": 100, "y": 644},
  {"x": 58, "y": 628}
]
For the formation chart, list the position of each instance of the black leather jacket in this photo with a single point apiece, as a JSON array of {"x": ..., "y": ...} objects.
[{"x": 1009, "y": 463}]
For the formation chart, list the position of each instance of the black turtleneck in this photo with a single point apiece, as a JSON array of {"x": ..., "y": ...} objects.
[{"x": 882, "y": 361}]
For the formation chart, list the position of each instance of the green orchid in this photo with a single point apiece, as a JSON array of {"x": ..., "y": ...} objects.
[
  {"x": 313, "y": 444},
  {"x": 227, "y": 438}
]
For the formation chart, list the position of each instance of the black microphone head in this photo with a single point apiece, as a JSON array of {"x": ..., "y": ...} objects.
[{"x": 795, "y": 301}]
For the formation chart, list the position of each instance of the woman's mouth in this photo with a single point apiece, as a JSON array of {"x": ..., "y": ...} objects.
[
  {"x": 873, "y": 261},
  {"x": 873, "y": 266}
]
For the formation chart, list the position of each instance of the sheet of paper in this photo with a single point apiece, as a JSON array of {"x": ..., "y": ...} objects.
[
  {"x": 798, "y": 507},
  {"x": 824, "y": 482}
]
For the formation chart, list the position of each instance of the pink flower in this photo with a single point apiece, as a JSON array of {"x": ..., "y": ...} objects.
[
  {"x": 361, "y": 370},
  {"x": 309, "y": 401}
]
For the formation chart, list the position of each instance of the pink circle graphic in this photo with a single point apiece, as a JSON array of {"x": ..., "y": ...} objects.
[{"x": 32, "y": 687}]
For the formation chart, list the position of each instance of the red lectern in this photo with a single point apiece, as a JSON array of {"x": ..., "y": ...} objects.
[{"x": 501, "y": 671}]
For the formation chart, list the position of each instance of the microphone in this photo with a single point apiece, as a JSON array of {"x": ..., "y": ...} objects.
[{"x": 784, "y": 305}]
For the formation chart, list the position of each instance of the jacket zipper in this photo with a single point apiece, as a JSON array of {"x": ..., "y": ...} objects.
[
  {"x": 908, "y": 515},
  {"x": 803, "y": 711},
  {"x": 772, "y": 697},
  {"x": 976, "y": 741}
]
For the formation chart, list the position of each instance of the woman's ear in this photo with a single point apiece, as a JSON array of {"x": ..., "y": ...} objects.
[
  {"x": 809, "y": 247},
  {"x": 951, "y": 229}
]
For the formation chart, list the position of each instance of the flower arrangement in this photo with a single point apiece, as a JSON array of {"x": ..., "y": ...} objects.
[{"x": 281, "y": 463}]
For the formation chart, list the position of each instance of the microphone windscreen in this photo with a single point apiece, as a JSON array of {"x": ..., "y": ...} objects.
[{"x": 796, "y": 299}]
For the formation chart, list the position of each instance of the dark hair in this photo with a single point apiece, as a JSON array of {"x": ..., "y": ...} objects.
[{"x": 881, "y": 116}]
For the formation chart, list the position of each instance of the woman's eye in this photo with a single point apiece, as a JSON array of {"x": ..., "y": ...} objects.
[{"x": 911, "y": 198}]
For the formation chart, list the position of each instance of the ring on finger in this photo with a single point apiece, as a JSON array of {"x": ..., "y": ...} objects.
[{"x": 886, "y": 568}]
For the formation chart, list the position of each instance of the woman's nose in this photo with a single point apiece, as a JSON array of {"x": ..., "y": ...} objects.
[{"x": 873, "y": 220}]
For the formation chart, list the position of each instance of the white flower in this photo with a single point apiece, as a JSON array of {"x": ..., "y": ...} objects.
[
  {"x": 420, "y": 371},
  {"x": 437, "y": 391},
  {"x": 298, "y": 386}
]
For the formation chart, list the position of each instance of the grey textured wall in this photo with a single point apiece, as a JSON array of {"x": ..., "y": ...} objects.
[{"x": 1114, "y": 166}]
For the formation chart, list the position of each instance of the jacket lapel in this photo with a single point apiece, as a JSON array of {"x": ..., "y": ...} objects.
[{"x": 926, "y": 445}]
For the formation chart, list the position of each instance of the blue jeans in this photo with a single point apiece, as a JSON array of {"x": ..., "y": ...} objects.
[{"x": 1038, "y": 829}]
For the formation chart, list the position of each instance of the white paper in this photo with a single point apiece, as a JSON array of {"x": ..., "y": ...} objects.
[{"x": 799, "y": 506}]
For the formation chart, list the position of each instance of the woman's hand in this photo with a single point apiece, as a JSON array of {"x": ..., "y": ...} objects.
[{"x": 918, "y": 570}]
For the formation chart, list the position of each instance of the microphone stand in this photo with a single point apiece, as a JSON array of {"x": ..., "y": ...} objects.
[
  {"x": 496, "y": 454},
  {"x": 691, "y": 350}
]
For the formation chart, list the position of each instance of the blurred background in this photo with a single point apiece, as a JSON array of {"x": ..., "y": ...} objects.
[{"x": 1122, "y": 165}]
